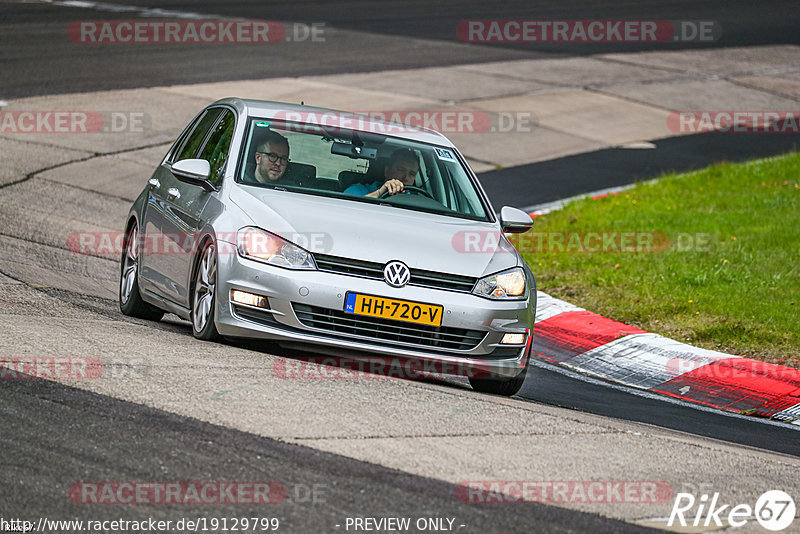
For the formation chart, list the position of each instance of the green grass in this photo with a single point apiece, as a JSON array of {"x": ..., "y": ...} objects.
[{"x": 727, "y": 278}]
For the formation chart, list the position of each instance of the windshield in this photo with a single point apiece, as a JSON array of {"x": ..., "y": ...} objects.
[{"x": 354, "y": 166}]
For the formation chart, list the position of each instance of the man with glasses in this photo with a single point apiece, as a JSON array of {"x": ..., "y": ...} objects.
[{"x": 272, "y": 159}]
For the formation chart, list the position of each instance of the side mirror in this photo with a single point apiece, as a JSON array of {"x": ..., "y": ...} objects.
[
  {"x": 194, "y": 171},
  {"x": 515, "y": 221}
]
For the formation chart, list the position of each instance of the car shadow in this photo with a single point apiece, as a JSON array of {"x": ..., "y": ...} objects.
[{"x": 305, "y": 363}]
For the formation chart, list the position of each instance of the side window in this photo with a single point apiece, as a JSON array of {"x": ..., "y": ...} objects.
[
  {"x": 216, "y": 150},
  {"x": 176, "y": 146},
  {"x": 198, "y": 135}
]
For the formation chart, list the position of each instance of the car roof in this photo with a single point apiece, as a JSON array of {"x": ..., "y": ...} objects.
[{"x": 269, "y": 109}]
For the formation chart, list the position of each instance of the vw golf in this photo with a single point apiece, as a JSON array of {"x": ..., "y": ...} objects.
[{"x": 345, "y": 234}]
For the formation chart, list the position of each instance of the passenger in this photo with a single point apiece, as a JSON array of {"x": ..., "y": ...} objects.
[
  {"x": 400, "y": 171},
  {"x": 272, "y": 159}
]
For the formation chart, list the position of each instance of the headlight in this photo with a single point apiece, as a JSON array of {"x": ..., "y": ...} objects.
[
  {"x": 509, "y": 284},
  {"x": 257, "y": 244}
]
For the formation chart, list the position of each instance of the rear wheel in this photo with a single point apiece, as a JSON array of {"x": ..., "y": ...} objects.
[
  {"x": 204, "y": 297},
  {"x": 130, "y": 300},
  {"x": 499, "y": 386}
]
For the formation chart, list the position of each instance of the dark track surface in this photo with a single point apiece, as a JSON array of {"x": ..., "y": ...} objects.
[
  {"x": 39, "y": 58},
  {"x": 555, "y": 179},
  {"x": 54, "y": 436},
  {"x": 550, "y": 387}
]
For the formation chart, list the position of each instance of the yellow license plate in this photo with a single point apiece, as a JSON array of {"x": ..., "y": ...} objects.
[{"x": 398, "y": 310}]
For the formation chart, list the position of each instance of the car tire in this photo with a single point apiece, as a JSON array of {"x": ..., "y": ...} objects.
[
  {"x": 499, "y": 386},
  {"x": 204, "y": 294},
  {"x": 130, "y": 300}
]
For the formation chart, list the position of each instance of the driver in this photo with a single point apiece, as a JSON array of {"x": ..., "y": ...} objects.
[{"x": 400, "y": 171}]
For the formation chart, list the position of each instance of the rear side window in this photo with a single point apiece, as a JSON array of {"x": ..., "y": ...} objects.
[
  {"x": 198, "y": 135},
  {"x": 215, "y": 152}
]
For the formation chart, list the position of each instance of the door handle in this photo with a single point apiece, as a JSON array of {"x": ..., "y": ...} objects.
[
  {"x": 173, "y": 193},
  {"x": 154, "y": 183}
]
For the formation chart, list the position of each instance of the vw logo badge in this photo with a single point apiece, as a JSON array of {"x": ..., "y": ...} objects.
[{"x": 396, "y": 273}]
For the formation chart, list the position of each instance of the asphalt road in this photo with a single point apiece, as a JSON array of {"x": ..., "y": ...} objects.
[
  {"x": 555, "y": 179},
  {"x": 53, "y": 435},
  {"x": 38, "y": 56},
  {"x": 551, "y": 385}
]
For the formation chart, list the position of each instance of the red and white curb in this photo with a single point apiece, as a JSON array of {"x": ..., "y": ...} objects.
[{"x": 592, "y": 344}]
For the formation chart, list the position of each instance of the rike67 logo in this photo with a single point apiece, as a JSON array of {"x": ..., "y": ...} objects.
[{"x": 774, "y": 510}]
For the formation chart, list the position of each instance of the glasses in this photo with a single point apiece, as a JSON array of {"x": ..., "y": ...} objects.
[{"x": 273, "y": 157}]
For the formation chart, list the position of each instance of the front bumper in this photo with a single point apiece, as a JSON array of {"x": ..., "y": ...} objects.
[{"x": 288, "y": 291}]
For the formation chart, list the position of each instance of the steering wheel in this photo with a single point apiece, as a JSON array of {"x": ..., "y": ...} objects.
[{"x": 410, "y": 189}]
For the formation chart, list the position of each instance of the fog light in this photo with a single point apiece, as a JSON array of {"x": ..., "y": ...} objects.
[
  {"x": 512, "y": 339},
  {"x": 248, "y": 299}
]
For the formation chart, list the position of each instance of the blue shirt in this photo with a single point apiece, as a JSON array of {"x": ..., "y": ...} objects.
[{"x": 362, "y": 189}]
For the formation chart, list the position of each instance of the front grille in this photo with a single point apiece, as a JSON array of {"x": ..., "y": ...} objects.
[
  {"x": 374, "y": 270},
  {"x": 442, "y": 337},
  {"x": 333, "y": 264}
]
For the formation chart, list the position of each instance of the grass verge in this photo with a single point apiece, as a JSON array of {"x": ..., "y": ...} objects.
[{"x": 709, "y": 258}]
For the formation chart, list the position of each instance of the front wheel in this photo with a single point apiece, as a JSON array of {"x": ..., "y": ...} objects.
[
  {"x": 499, "y": 386},
  {"x": 204, "y": 292},
  {"x": 130, "y": 300}
]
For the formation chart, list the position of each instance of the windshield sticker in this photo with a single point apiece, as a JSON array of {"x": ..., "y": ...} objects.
[
  {"x": 262, "y": 124},
  {"x": 445, "y": 154}
]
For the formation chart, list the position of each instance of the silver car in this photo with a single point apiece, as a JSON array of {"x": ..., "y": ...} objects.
[{"x": 303, "y": 226}]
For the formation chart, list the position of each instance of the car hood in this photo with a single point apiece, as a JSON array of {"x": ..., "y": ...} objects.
[{"x": 378, "y": 233}]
